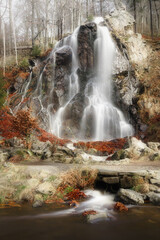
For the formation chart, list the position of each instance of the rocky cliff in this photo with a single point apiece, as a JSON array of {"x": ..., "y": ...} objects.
[{"x": 144, "y": 57}]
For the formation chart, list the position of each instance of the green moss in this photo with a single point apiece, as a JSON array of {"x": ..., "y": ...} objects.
[
  {"x": 2, "y": 199},
  {"x": 45, "y": 197},
  {"x": 20, "y": 188},
  {"x": 52, "y": 178},
  {"x": 2, "y": 90},
  {"x": 68, "y": 190}
]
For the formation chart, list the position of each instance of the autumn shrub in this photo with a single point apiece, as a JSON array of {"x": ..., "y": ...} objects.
[
  {"x": 105, "y": 147},
  {"x": 79, "y": 178},
  {"x": 21, "y": 125}
]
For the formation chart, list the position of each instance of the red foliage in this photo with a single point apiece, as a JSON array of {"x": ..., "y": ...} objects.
[
  {"x": 90, "y": 212},
  {"x": 120, "y": 207},
  {"x": 6, "y": 120},
  {"x": 45, "y": 136},
  {"x": 110, "y": 147},
  {"x": 21, "y": 125},
  {"x": 151, "y": 38},
  {"x": 76, "y": 194},
  {"x": 11, "y": 75}
]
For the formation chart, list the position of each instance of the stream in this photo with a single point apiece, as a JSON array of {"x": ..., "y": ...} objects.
[{"x": 53, "y": 223}]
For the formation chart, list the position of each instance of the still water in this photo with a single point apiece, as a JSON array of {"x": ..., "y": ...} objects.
[{"x": 27, "y": 223}]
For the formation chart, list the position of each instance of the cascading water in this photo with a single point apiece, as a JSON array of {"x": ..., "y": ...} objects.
[
  {"x": 56, "y": 120},
  {"x": 109, "y": 122},
  {"x": 106, "y": 122}
]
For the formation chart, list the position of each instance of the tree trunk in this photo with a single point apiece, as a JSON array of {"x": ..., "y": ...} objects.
[
  {"x": 4, "y": 49},
  {"x": 135, "y": 16},
  {"x": 93, "y": 7},
  {"x": 46, "y": 25},
  {"x": 87, "y": 9},
  {"x": 157, "y": 14},
  {"x": 151, "y": 19},
  {"x": 10, "y": 27},
  {"x": 32, "y": 24},
  {"x": 101, "y": 7}
]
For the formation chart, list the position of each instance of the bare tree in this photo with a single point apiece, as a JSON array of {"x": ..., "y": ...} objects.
[{"x": 33, "y": 20}]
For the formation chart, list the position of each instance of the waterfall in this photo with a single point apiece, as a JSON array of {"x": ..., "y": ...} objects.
[
  {"x": 57, "y": 119},
  {"x": 109, "y": 122},
  {"x": 105, "y": 120}
]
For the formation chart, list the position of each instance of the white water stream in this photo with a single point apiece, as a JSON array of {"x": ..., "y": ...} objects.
[{"x": 99, "y": 202}]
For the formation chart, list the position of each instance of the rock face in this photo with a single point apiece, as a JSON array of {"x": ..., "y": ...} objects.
[
  {"x": 86, "y": 37},
  {"x": 139, "y": 151}
]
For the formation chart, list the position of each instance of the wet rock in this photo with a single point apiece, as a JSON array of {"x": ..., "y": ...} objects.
[
  {"x": 19, "y": 83},
  {"x": 73, "y": 116},
  {"x": 86, "y": 37},
  {"x": 97, "y": 217},
  {"x": 130, "y": 197},
  {"x": 154, "y": 198},
  {"x": 63, "y": 56},
  {"x": 37, "y": 204}
]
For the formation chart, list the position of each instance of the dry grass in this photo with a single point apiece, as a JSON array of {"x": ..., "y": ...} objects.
[{"x": 79, "y": 178}]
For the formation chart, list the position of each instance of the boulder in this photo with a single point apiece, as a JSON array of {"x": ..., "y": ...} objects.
[
  {"x": 37, "y": 204},
  {"x": 111, "y": 180},
  {"x": 46, "y": 188},
  {"x": 120, "y": 154},
  {"x": 155, "y": 182},
  {"x": 154, "y": 146},
  {"x": 154, "y": 198},
  {"x": 130, "y": 197},
  {"x": 97, "y": 217},
  {"x": 154, "y": 188},
  {"x": 42, "y": 149},
  {"x": 63, "y": 56}
]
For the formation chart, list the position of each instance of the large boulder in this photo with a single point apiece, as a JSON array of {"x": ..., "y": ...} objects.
[
  {"x": 46, "y": 188},
  {"x": 63, "y": 56},
  {"x": 154, "y": 198},
  {"x": 130, "y": 197}
]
